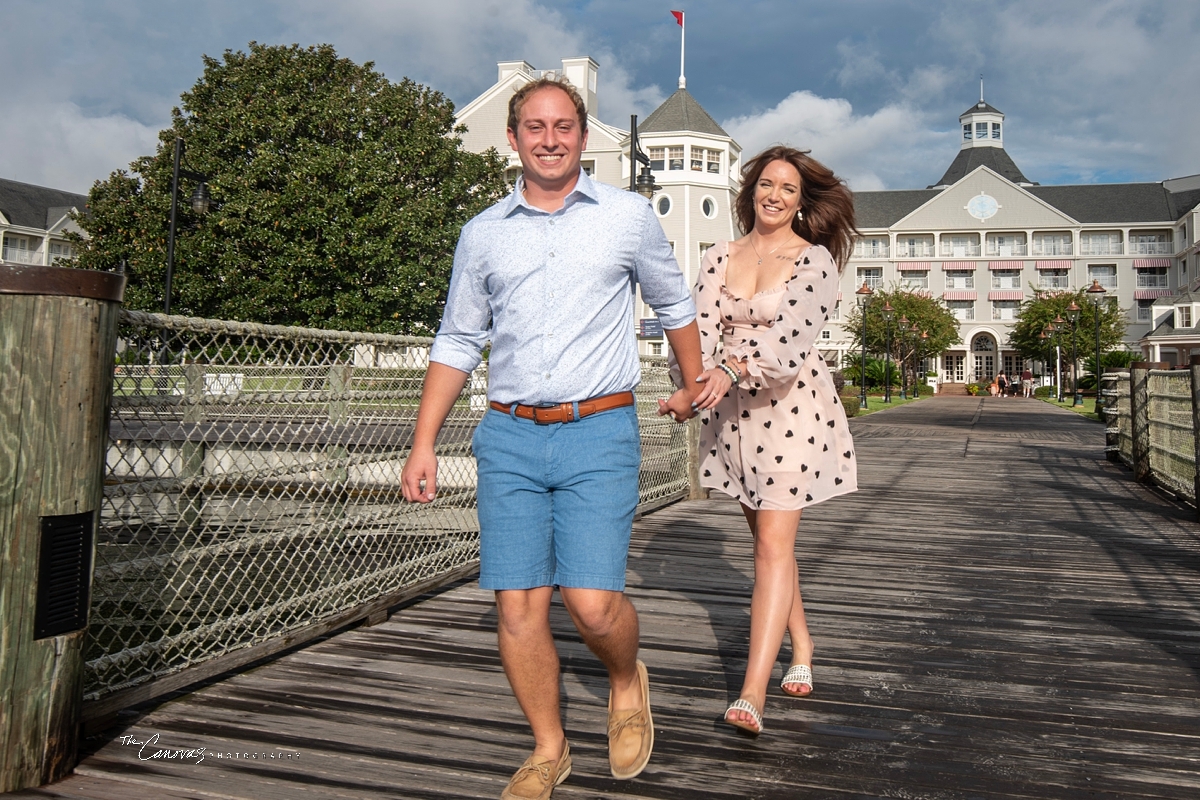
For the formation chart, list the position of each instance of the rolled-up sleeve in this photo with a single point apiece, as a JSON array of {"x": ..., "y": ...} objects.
[
  {"x": 664, "y": 288},
  {"x": 467, "y": 318}
]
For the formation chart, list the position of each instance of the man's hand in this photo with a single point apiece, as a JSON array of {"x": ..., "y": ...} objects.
[
  {"x": 418, "y": 479},
  {"x": 679, "y": 405}
]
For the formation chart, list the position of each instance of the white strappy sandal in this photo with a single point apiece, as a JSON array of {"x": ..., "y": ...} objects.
[
  {"x": 748, "y": 707},
  {"x": 800, "y": 673}
]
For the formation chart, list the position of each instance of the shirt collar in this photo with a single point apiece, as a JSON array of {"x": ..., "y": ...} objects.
[{"x": 585, "y": 187}]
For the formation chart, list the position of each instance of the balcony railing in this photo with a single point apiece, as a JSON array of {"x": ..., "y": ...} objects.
[
  {"x": 1150, "y": 249},
  {"x": 1152, "y": 282},
  {"x": 1006, "y": 250},
  {"x": 871, "y": 251},
  {"x": 1100, "y": 248},
  {"x": 1054, "y": 282},
  {"x": 960, "y": 251},
  {"x": 1053, "y": 248},
  {"x": 915, "y": 251},
  {"x": 15, "y": 256}
]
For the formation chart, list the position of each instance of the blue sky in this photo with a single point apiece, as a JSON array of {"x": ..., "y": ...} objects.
[{"x": 1094, "y": 91}]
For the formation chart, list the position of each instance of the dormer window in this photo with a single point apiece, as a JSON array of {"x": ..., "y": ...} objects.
[
  {"x": 967, "y": 132},
  {"x": 1183, "y": 316},
  {"x": 981, "y": 130},
  {"x": 995, "y": 130}
]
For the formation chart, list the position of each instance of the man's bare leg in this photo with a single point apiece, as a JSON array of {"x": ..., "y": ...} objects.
[
  {"x": 608, "y": 623},
  {"x": 531, "y": 663}
]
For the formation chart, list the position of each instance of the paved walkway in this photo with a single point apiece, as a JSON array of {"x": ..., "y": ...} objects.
[{"x": 999, "y": 612}]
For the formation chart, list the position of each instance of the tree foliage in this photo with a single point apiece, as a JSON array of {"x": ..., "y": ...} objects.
[
  {"x": 925, "y": 315},
  {"x": 1045, "y": 306},
  {"x": 339, "y": 197}
]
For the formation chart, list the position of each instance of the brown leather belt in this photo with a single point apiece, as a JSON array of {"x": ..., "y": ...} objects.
[{"x": 565, "y": 412}]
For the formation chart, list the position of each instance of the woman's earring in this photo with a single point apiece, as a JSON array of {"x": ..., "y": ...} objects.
[{"x": 799, "y": 213}]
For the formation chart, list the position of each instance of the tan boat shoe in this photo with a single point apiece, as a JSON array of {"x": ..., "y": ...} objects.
[
  {"x": 538, "y": 776},
  {"x": 631, "y": 733}
]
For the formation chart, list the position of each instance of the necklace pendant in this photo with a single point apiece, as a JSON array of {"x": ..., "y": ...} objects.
[{"x": 760, "y": 261}]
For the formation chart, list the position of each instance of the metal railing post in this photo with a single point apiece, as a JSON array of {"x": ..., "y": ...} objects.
[
  {"x": 1110, "y": 411},
  {"x": 1194, "y": 364},
  {"x": 191, "y": 450},
  {"x": 1139, "y": 411},
  {"x": 695, "y": 490}
]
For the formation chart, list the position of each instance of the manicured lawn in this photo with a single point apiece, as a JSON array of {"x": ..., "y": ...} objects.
[
  {"x": 1088, "y": 409},
  {"x": 875, "y": 402}
]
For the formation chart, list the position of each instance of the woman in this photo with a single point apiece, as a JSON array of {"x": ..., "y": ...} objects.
[{"x": 775, "y": 436}]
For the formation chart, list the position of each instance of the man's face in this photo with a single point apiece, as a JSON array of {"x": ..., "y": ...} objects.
[{"x": 548, "y": 138}]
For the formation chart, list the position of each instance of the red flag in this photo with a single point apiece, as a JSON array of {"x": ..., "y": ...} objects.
[{"x": 678, "y": 17}]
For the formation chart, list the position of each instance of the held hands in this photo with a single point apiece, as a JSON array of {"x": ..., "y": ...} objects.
[
  {"x": 682, "y": 405},
  {"x": 418, "y": 479}
]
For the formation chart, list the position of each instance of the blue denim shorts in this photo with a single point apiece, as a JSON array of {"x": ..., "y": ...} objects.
[{"x": 556, "y": 502}]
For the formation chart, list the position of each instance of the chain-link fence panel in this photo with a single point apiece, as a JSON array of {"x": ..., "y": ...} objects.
[
  {"x": 1114, "y": 390},
  {"x": 253, "y": 487},
  {"x": 1172, "y": 438}
]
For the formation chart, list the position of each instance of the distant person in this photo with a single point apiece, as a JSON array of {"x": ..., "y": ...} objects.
[
  {"x": 1002, "y": 383},
  {"x": 777, "y": 440},
  {"x": 1026, "y": 383},
  {"x": 558, "y": 451}
]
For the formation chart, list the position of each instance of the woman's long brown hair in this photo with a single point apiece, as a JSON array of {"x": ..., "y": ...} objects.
[{"x": 825, "y": 200}]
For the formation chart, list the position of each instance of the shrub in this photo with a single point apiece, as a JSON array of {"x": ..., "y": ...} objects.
[
  {"x": 839, "y": 380},
  {"x": 1045, "y": 391}
]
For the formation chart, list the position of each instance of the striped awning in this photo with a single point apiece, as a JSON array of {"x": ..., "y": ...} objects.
[
  {"x": 1149, "y": 294},
  {"x": 1151, "y": 262},
  {"x": 1053, "y": 264},
  {"x": 1006, "y": 265},
  {"x": 1006, "y": 294},
  {"x": 956, "y": 265},
  {"x": 913, "y": 266},
  {"x": 959, "y": 294}
]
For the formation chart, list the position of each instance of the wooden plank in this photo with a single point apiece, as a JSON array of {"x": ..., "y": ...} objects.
[{"x": 998, "y": 612}]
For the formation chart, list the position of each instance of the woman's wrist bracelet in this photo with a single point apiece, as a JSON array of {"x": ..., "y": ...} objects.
[{"x": 733, "y": 376}]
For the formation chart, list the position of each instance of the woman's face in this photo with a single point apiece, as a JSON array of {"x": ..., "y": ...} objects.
[{"x": 777, "y": 194}]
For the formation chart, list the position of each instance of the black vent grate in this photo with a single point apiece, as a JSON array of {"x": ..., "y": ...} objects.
[{"x": 64, "y": 574}]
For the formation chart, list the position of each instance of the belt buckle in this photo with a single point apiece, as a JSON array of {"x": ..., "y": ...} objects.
[{"x": 543, "y": 407}]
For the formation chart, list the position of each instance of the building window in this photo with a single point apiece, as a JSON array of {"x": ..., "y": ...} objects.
[
  {"x": 1152, "y": 278},
  {"x": 981, "y": 129},
  {"x": 1006, "y": 279},
  {"x": 835, "y": 313},
  {"x": 708, "y": 207},
  {"x": 1006, "y": 245},
  {"x": 511, "y": 174},
  {"x": 675, "y": 157},
  {"x": 61, "y": 251},
  {"x": 704, "y": 249},
  {"x": 960, "y": 246},
  {"x": 871, "y": 276},
  {"x": 960, "y": 279},
  {"x": 914, "y": 247},
  {"x": 1145, "y": 310},
  {"x": 995, "y": 130},
  {"x": 967, "y": 132},
  {"x": 1052, "y": 244},
  {"x": 914, "y": 279},
  {"x": 589, "y": 167},
  {"x": 1183, "y": 316},
  {"x": 1005, "y": 310},
  {"x": 962, "y": 309},
  {"x": 656, "y": 348},
  {"x": 696, "y": 162},
  {"x": 657, "y": 158},
  {"x": 825, "y": 334},
  {"x": 1157, "y": 243},
  {"x": 1054, "y": 279},
  {"x": 1100, "y": 244},
  {"x": 1105, "y": 273},
  {"x": 714, "y": 161},
  {"x": 663, "y": 205},
  {"x": 21, "y": 249},
  {"x": 871, "y": 247}
]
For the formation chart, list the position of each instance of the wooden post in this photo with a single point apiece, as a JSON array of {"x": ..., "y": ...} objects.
[
  {"x": 1195, "y": 368},
  {"x": 57, "y": 339},
  {"x": 1139, "y": 412},
  {"x": 695, "y": 490}
]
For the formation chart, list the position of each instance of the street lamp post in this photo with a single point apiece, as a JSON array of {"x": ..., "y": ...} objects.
[
  {"x": 902, "y": 328},
  {"x": 200, "y": 201},
  {"x": 1058, "y": 327},
  {"x": 923, "y": 340},
  {"x": 1095, "y": 296},
  {"x": 641, "y": 182},
  {"x": 863, "y": 297},
  {"x": 1073, "y": 315},
  {"x": 888, "y": 313}
]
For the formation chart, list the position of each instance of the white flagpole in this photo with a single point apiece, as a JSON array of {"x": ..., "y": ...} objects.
[{"x": 682, "y": 38}]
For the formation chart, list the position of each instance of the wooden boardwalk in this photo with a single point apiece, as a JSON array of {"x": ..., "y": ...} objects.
[{"x": 999, "y": 612}]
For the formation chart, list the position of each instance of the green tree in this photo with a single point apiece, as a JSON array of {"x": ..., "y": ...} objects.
[
  {"x": 1045, "y": 306},
  {"x": 339, "y": 197},
  {"x": 925, "y": 315}
]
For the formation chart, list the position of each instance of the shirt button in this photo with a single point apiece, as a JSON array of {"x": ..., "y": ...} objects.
[
  {"x": 552, "y": 222},
  {"x": 547, "y": 376}
]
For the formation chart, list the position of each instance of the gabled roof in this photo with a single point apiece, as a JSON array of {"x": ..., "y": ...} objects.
[
  {"x": 884, "y": 209},
  {"x": 981, "y": 108},
  {"x": 681, "y": 112},
  {"x": 30, "y": 206},
  {"x": 1181, "y": 203},
  {"x": 1109, "y": 202},
  {"x": 971, "y": 158}
]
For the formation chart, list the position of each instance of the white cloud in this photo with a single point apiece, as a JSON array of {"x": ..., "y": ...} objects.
[
  {"x": 55, "y": 144},
  {"x": 892, "y": 147}
]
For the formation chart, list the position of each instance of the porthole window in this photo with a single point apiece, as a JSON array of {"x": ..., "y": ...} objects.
[
  {"x": 663, "y": 205},
  {"x": 708, "y": 206}
]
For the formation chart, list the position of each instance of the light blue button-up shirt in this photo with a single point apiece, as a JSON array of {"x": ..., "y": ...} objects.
[{"x": 554, "y": 293}]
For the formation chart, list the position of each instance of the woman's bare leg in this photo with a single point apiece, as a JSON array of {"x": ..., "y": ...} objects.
[
  {"x": 774, "y": 601},
  {"x": 797, "y": 626}
]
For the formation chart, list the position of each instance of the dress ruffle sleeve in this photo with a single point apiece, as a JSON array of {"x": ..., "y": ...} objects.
[{"x": 706, "y": 295}]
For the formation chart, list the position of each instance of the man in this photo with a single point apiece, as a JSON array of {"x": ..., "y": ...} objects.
[
  {"x": 547, "y": 276},
  {"x": 1026, "y": 383}
]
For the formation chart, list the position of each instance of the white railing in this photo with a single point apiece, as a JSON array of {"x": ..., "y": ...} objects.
[
  {"x": 1150, "y": 249},
  {"x": 1152, "y": 282},
  {"x": 871, "y": 251},
  {"x": 1006, "y": 250},
  {"x": 959, "y": 251},
  {"x": 1054, "y": 282},
  {"x": 915, "y": 251},
  {"x": 1100, "y": 248},
  {"x": 1053, "y": 248},
  {"x": 16, "y": 256}
]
